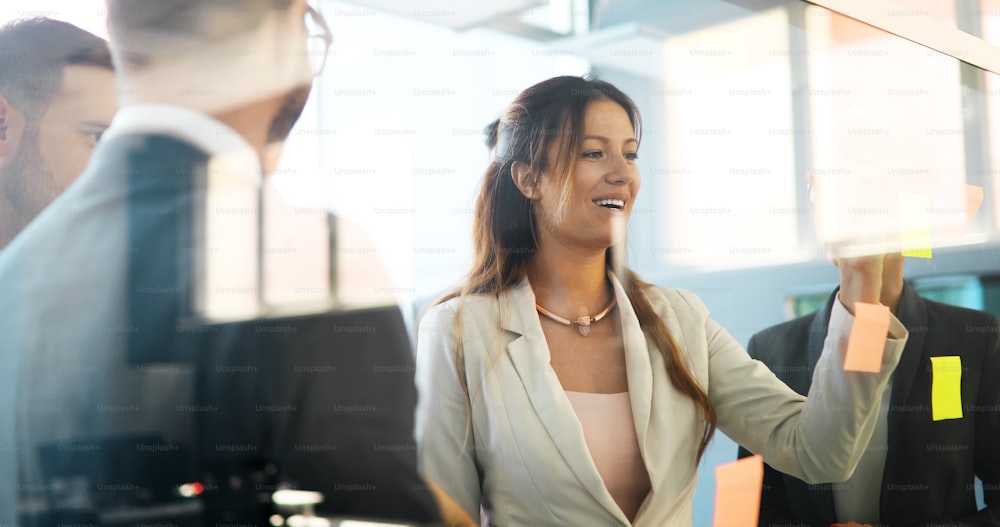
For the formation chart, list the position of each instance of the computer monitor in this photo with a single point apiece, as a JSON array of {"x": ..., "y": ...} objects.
[{"x": 329, "y": 398}]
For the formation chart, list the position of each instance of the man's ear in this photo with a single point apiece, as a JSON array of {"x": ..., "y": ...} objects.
[
  {"x": 11, "y": 130},
  {"x": 525, "y": 180}
]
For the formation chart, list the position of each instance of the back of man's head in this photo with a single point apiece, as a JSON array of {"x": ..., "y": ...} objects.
[
  {"x": 149, "y": 31},
  {"x": 33, "y": 55},
  {"x": 247, "y": 63}
]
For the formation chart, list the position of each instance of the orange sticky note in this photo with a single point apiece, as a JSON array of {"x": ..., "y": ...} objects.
[
  {"x": 946, "y": 388},
  {"x": 973, "y": 200},
  {"x": 737, "y": 492},
  {"x": 867, "y": 342}
]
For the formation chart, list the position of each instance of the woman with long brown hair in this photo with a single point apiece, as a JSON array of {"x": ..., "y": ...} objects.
[{"x": 557, "y": 388}]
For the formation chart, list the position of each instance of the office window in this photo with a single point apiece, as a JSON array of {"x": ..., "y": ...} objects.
[{"x": 962, "y": 291}]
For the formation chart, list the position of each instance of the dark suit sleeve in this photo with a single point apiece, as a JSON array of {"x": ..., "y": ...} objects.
[
  {"x": 352, "y": 430},
  {"x": 987, "y": 442},
  {"x": 773, "y": 501},
  {"x": 987, "y": 456},
  {"x": 988, "y": 435}
]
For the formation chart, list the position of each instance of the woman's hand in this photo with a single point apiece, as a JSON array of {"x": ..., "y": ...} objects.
[{"x": 860, "y": 279}]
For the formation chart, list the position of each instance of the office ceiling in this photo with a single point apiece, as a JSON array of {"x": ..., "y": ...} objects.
[
  {"x": 662, "y": 16},
  {"x": 673, "y": 16}
]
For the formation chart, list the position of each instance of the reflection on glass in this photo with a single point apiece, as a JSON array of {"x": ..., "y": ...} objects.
[
  {"x": 755, "y": 105},
  {"x": 990, "y": 19},
  {"x": 936, "y": 11},
  {"x": 729, "y": 149},
  {"x": 887, "y": 132}
]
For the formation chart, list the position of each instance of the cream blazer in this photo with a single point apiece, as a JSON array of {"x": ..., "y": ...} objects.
[{"x": 521, "y": 453}]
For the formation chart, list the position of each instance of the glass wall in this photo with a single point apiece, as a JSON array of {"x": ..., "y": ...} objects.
[{"x": 741, "y": 106}]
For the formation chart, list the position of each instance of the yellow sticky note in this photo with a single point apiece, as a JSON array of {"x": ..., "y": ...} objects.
[
  {"x": 737, "y": 492},
  {"x": 867, "y": 342},
  {"x": 946, "y": 388},
  {"x": 917, "y": 244},
  {"x": 915, "y": 225}
]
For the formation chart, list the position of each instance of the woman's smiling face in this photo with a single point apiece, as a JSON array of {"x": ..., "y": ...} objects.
[{"x": 603, "y": 185}]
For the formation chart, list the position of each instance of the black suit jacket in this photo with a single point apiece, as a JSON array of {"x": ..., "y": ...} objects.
[
  {"x": 930, "y": 465},
  {"x": 306, "y": 401}
]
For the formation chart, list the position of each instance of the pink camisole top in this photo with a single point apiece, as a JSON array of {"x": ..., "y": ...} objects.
[{"x": 609, "y": 430}]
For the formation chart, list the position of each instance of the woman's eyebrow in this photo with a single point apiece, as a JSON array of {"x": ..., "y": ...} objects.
[{"x": 606, "y": 140}]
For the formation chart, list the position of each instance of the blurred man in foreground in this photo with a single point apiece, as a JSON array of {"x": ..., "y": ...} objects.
[{"x": 148, "y": 373}]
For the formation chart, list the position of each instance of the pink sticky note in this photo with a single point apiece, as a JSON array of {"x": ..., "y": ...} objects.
[
  {"x": 868, "y": 335},
  {"x": 737, "y": 492},
  {"x": 973, "y": 200}
]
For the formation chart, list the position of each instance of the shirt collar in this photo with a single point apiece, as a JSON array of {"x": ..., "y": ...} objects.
[{"x": 203, "y": 131}]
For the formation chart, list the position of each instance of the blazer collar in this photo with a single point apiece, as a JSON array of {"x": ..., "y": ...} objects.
[
  {"x": 530, "y": 355},
  {"x": 912, "y": 312},
  {"x": 817, "y": 331},
  {"x": 205, "y": 132}
]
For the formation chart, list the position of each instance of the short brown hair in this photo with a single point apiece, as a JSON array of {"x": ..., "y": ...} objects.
[
  {"x": 33, "y": 54},
  {"x": 189, "y": 24}
]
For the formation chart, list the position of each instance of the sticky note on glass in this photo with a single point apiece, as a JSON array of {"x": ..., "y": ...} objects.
[
  {"x": 946, "y": 388},
  {"x": 915, "y": 225},
  {"x": 866, "y": 344},
  {"x": 737, "y": 492}
]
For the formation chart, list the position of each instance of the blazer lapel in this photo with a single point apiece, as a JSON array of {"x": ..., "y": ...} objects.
[
  {"x": 912, "y": 313},
  {"x": 639, "y": 371},
  {"x": 529, "y": 353},
  {"x": 817, "y": 333},
  {"x": 823, "y": 501}
]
